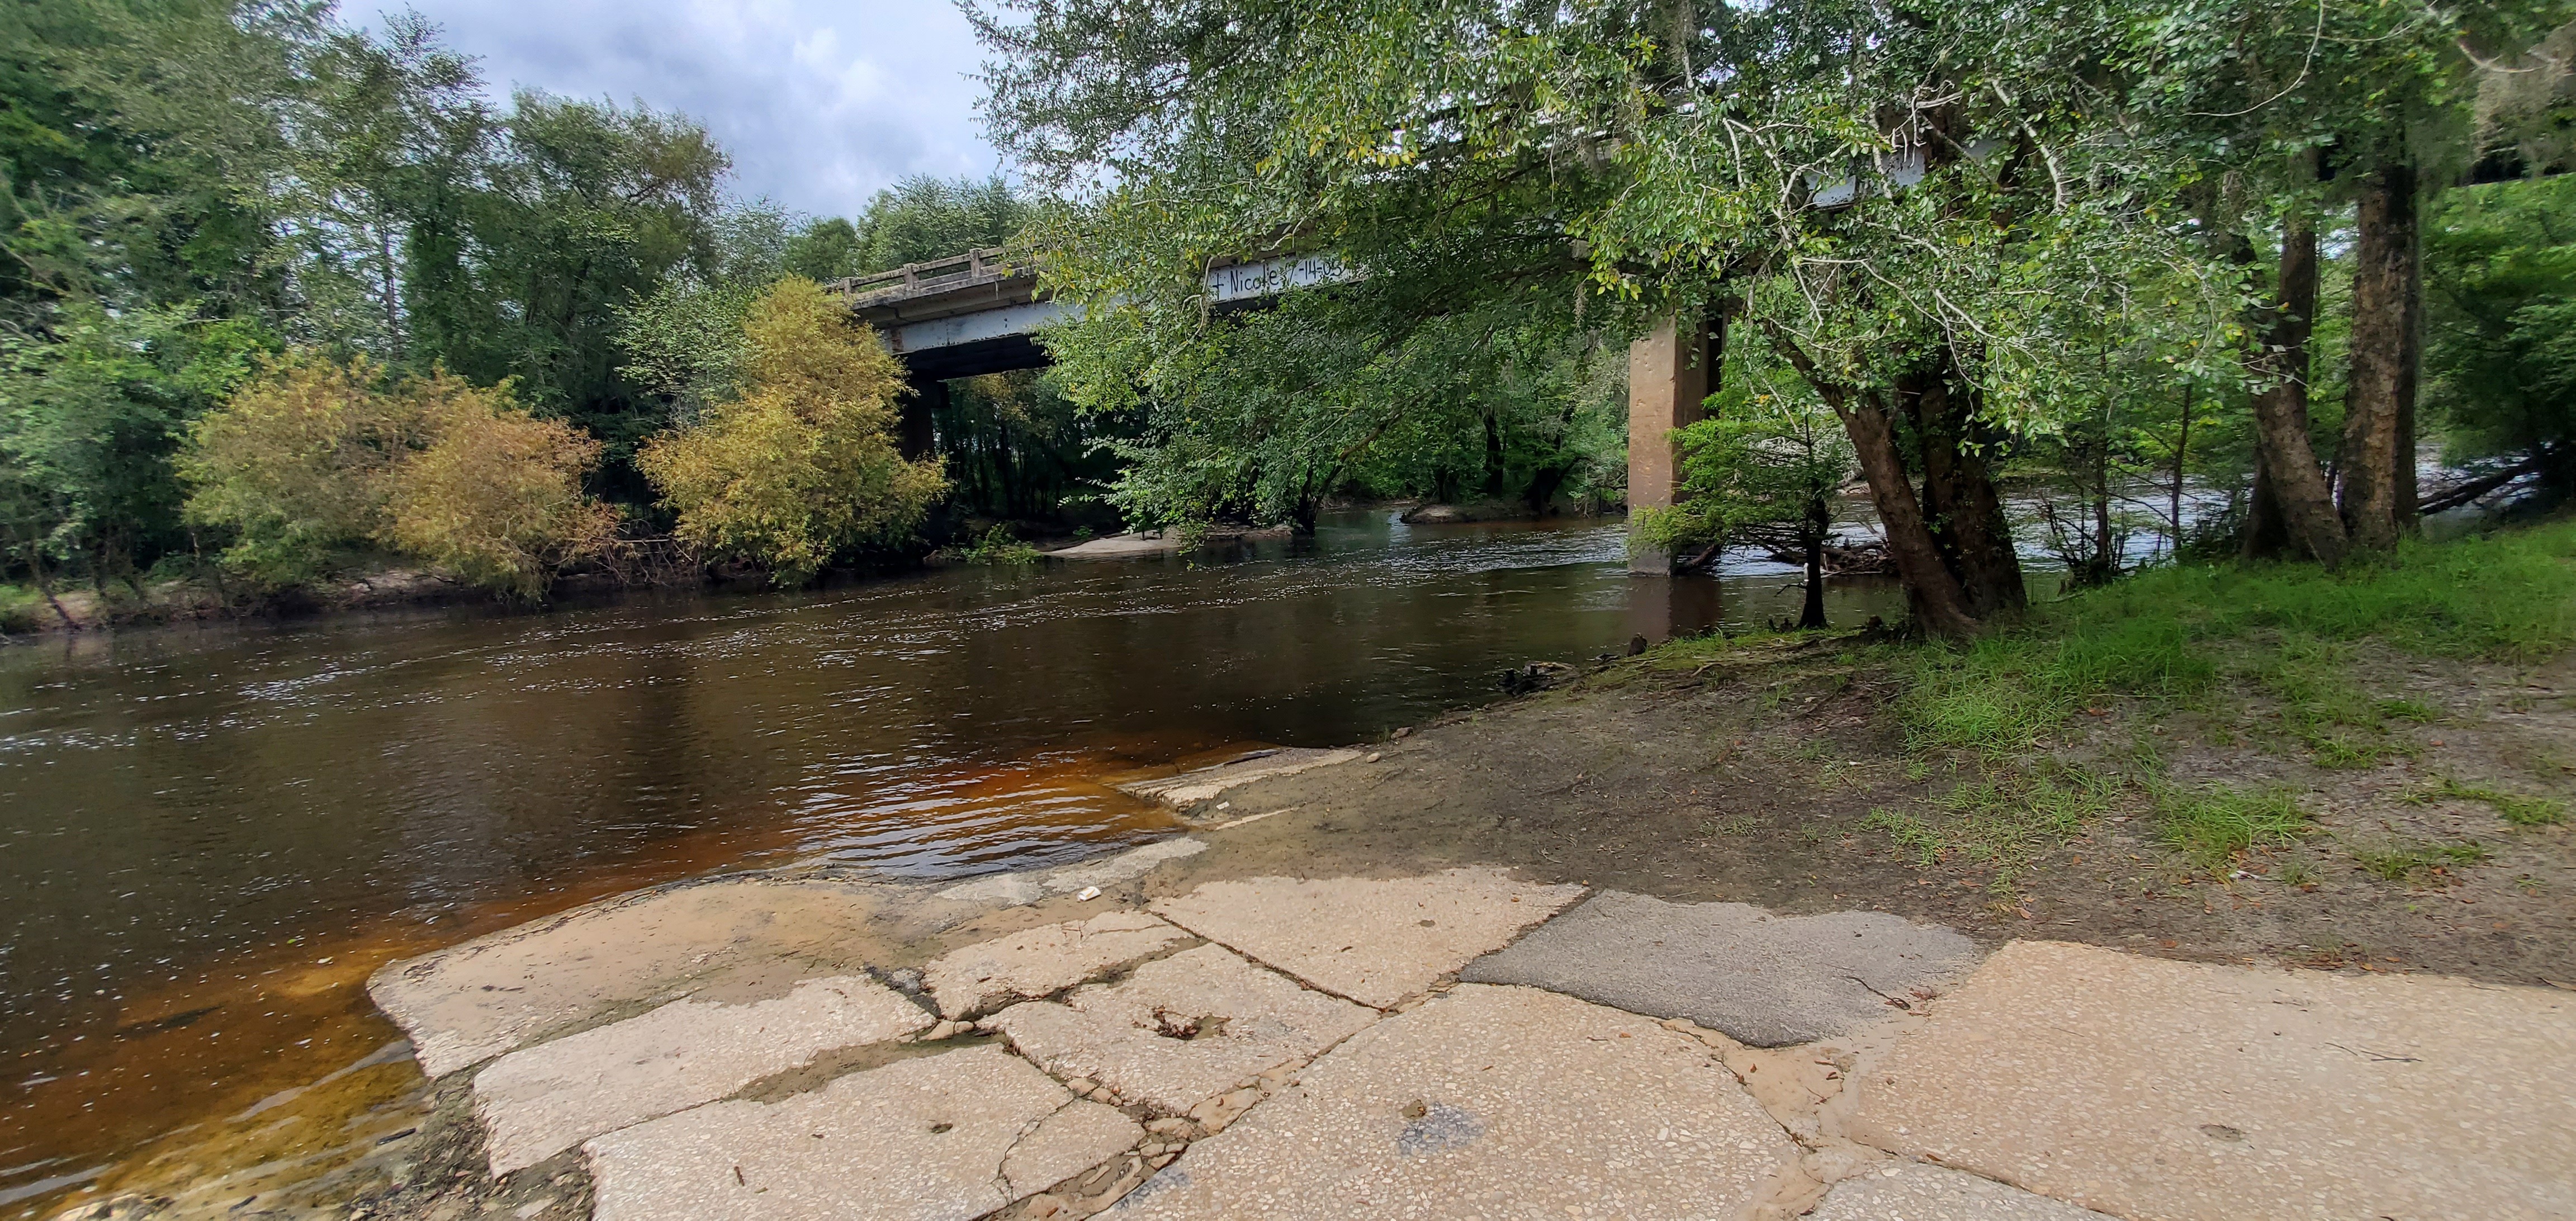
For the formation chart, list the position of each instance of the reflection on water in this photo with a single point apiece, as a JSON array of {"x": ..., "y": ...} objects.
[{"x": 193, "y": 818}]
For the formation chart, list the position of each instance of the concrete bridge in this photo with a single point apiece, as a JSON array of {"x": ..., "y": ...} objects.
[{"x": 980, "y": 312}]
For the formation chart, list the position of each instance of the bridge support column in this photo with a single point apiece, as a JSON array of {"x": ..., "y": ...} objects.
[
  {"x": 914, "y": 437},
  {"x": 1669, "y": 373}
]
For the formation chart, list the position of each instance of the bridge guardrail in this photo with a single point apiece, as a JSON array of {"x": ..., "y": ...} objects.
[{"x": 956, "y": 271}]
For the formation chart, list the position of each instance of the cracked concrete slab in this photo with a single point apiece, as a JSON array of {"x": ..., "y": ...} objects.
[
  {"x": 1181, "y": 1029},
  {"x": 1765, "y": 979},
  {"x": 542, "y": 1100},
  {"x": 473, "y": 1001},
  {"x": 940, "y": 1138},
  {"x": 1376, "y": 942},
  {"x": 1029, "y": 886},
  {"x": 1489, "y": 1102},
  {"x": 1192, "y": 787},
  {"x": 2144, "y": 1087},
  {"x": 1044, "y": 961},
  {"x": 1911, "y": 1191}
]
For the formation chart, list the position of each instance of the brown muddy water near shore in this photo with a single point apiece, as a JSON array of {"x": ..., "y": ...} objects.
[{"x": 212, "y": 836}]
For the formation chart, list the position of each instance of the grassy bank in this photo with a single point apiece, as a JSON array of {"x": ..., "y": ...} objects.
[{"x": 2143, "y": 700}]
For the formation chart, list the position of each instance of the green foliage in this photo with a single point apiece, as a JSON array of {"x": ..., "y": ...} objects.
[
  {"x": 315, "y": 461},
  {"x": 686, "y": 341},
  {"x": 922, "y": 218},
  {"x": 1260, "y": 416},
  {"x": 184, "y": 185},
  {"x": 2217, "y": 824},
  {"x": 89, "y": 420},
  {"x": 802, "y": 465},
  {"x": 2501, "y": 330},
  {"x": 294, "y": 466},
  {"x": 1765, "y": 467}
]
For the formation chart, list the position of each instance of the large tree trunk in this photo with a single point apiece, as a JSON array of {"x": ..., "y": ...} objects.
[
  {"x": 1959, "y": 497},
  {"x": 1939, "y": 602},
  {"x": 1932, "y": 591},
  {"x": 2377, "y": 465},
  {"x": 2292, "y": 501}
]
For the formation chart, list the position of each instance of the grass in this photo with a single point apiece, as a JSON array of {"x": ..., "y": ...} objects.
[
  {"x": 2400, "y": 861},
  {"x": 2215, "y": 825},
  {"x": 2265, "y": 652},
  {"x": 22, "y": 609},
  {"x": 2172, "y": 635},
  {"x": 2004, "y": 821},
  {"x": 2514, "y": 808}
]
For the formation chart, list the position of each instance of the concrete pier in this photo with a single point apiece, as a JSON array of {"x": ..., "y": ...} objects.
[{"x": 1669, "y": 372}]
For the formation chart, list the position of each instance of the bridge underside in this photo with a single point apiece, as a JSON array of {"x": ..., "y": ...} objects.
[{"x": 978, "y": 314}]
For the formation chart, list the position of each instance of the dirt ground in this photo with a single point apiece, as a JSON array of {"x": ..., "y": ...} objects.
[{"x": 1753, "y": 778}]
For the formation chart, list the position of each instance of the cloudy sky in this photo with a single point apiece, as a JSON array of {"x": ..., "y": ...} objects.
[{"x": 821, "y": 102}]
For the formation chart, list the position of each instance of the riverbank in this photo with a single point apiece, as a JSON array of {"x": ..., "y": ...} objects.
[{"x": 2229, "y": 771}]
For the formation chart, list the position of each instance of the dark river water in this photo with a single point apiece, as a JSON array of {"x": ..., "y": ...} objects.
[{"x": 208, "y": 837}]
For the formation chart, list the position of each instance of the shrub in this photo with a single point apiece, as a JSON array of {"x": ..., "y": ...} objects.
[
  {"x": 314, "y": 460},
  {"x": 496, "y": 498},
  {"x": 293, "y": 464},
  {"x": 803, "y": 463}
]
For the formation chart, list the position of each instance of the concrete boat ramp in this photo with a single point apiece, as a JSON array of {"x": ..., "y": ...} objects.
[{"x": 1459, "y": 1043}]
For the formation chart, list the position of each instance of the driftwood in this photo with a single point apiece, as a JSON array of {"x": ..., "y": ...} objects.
[
  {"x": 1841, "y": 559},
  {"x": 2459, "y": 494}
]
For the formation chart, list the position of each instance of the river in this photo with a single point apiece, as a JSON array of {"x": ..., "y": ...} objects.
[{"x": 212, "y": 835}]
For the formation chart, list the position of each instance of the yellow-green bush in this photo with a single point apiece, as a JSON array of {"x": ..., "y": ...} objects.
[
  {"x": 496, "y": 497},
  {"x": 293, "y": 464},
  {"x": 315, "y": 460},
  {"x": 803, "y": 463}
]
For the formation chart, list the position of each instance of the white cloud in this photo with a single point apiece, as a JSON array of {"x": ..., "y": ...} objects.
[{"x": 821, "y": 104}]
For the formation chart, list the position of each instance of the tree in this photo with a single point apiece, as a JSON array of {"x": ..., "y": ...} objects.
[
  {"x": 803, "y": 464},
  {"x": 922, "y": 218},
  {"x": 90, "y": 418},
  {"x": 2501, "y": 335},
  {"x": 1886, "y": 192},
  {"x": 1765, "y": 468}
]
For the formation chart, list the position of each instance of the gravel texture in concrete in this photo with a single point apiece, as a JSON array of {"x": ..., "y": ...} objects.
[
  {"x": 1181, "y": 1029},
  {"x": 1192, "y": 787},
  {"x": 1489, "y": 1102},
  {"x": 1376, "y": 942},
  {"x": 938, "y": 1138},
  {"x": 1044, "y": 960},
  {"x": 1765, "y": 979},
  {"x": 1016, "y": 889},
  {"x": 2144, "y": 1087},
  {"x": 540, "y": 1101},
  {"x": 1911, "y": 1191},
  {"x": 476, "y": 1000}
]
